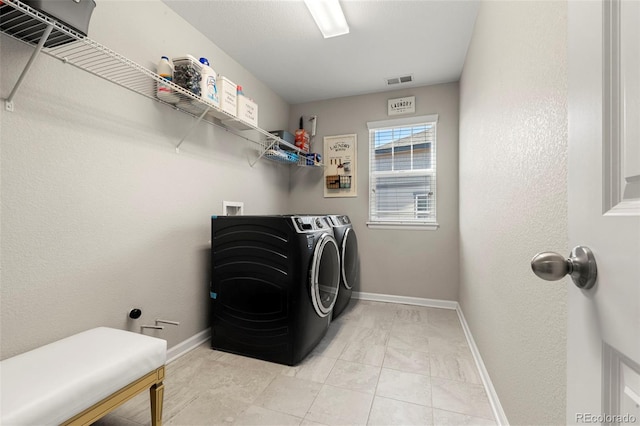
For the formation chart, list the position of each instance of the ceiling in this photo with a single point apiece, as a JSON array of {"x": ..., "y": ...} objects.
[{"x": 279, "y": 43}]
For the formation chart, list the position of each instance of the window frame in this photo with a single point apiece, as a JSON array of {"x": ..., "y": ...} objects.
[{"x": 416, "y": 224}]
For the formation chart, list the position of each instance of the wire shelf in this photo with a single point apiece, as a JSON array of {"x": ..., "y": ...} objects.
[
  {"x": 281, "y": 156},
  {"x": 30, "y": 26}
]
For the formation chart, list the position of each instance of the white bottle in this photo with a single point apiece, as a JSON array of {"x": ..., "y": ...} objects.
[
  {"x": 208, "y": 85},
  {"x": 163, "y": 91}
]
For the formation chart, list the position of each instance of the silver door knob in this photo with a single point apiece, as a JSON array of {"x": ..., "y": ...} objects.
[{"x": 581, "y": 266}]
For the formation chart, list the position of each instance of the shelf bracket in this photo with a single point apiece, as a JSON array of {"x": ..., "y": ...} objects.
[
  {"x": 191, "y": 129},
  {"x": 8, "y": 103}
]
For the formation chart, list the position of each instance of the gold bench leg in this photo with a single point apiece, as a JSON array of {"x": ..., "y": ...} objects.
[
  {"x": 151, "y": 381},
  {"x": 156, "y": 393}
]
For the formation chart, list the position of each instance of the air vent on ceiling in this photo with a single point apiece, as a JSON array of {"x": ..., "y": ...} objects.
[{"x": 398, "y": 80}]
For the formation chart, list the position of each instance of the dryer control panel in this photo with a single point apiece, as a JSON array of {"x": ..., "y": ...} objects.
[
  {"x": 339, "y": 220},
  {"x": 310, "y": 223}
]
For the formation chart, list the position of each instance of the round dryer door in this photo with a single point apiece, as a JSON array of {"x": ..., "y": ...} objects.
[
  {"x": 349, "y": 258},
  {"x": 325, "y": 275}
]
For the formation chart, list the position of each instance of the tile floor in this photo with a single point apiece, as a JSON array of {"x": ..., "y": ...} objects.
[{"x": 379, "y": 364}]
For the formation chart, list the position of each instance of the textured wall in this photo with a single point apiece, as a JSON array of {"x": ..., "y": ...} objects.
[
  {"x": 392, "y": 261},
  {"x": 513, "y": 202},
  {"x": 99, "y": 214}
]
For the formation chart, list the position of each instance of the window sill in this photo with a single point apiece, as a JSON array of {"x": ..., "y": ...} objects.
[{"x": 404, "y": 226}]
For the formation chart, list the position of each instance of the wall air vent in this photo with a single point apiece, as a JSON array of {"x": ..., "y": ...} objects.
[{"x": 397, "y": 80}]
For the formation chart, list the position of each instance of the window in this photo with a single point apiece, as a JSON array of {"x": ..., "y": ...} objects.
[{"x": 402, "y": 172}]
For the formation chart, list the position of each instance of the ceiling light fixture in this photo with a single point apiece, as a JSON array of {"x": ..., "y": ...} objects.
[{"x": 328, "y": 16}]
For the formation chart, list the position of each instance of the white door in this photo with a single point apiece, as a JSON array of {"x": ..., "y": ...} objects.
[{"x": 603, "y": 355}]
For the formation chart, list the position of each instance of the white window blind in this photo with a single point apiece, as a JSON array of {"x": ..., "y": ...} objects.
[{"x": 402, "y": 171}]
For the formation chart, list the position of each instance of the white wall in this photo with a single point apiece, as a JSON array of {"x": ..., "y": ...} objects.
[
  {"x": 99, "y": 214},
  {"x": 513, "y": 202},
  {"x": 392, "y": 261}
]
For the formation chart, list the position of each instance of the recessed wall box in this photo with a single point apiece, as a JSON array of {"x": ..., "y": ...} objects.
[{"x": 232, "y": 208}]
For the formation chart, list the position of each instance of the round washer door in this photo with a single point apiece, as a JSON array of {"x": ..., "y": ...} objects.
[
  {"x": 349, "y": 258},
  {"x": 325, "y": 275}
]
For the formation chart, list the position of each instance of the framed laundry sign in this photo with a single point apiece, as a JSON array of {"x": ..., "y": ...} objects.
[
  {"x": 398, "y": 106},
  {"x": 340, "y": 166}
]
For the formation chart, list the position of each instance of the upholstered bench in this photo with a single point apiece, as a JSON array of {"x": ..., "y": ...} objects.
[{"x": 81, "y": 378}]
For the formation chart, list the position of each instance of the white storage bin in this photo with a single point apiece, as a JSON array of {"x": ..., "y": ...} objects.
[
  {"x": 228, "y": 96},
  {"x": 248, "y": 110}
]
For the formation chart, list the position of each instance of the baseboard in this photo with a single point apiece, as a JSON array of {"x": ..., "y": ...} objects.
[
  {"x": 185, "y": 346},
  {"x": 498, "y": 412},
  {"x": 406, "y": 300}
]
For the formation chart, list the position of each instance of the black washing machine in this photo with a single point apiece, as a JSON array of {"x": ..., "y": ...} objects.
[
  {"x": 274, "y": 283},
  {"x": 349, "y": 267}
]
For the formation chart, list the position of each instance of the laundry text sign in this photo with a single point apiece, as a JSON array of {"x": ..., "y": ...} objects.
[{"x": 398, "y": 106}]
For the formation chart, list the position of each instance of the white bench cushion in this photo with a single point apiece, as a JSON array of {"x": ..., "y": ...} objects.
[{"x": 51, "y": 384}]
